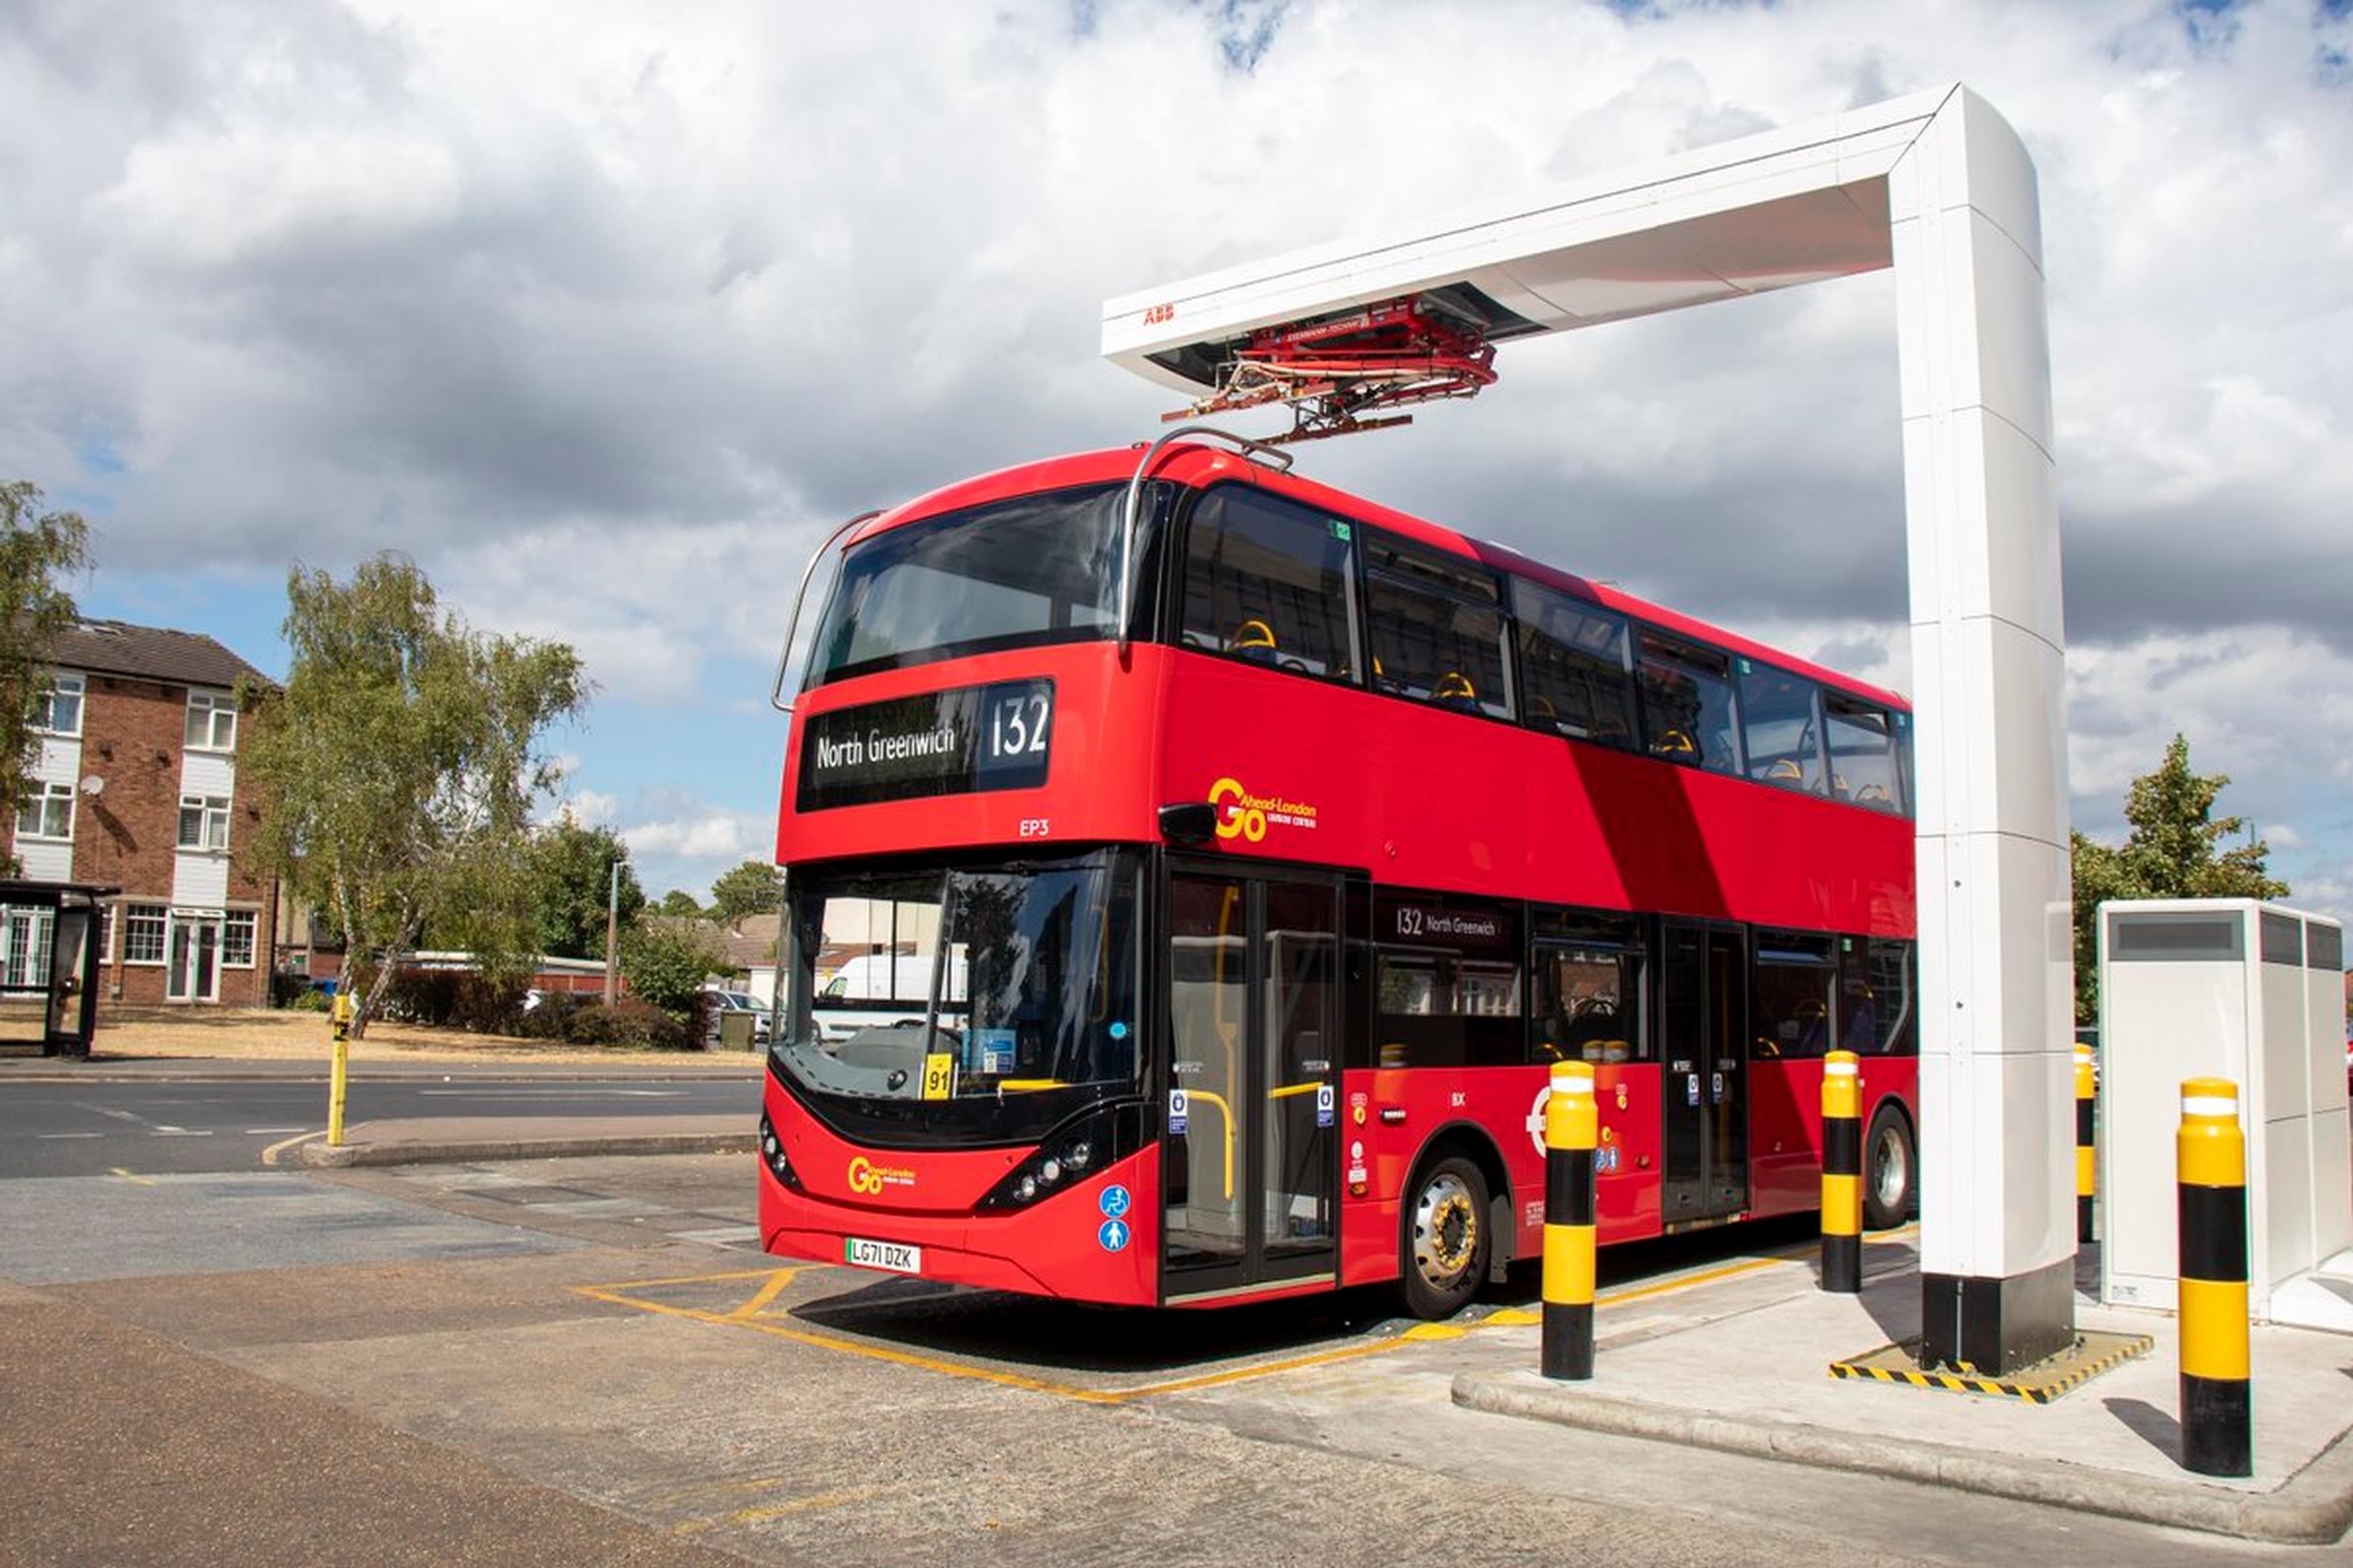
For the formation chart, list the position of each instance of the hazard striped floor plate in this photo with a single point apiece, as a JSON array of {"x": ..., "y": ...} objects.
[{"x": 2088, "y": 1358}]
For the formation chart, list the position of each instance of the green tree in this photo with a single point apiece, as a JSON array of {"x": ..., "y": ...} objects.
[
  {"x": 756, "y": 887},
  {"x": 36, "y": 548},
  {"x": 2174, "y": 850},
  {"x": 681, "y": 904},
  {"x": 398, "y": 767},
  {"x": 666, "y": 960},
  {"x": 572, "y": 871}
]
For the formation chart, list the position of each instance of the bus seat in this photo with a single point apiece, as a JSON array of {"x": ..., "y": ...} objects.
[
  {"x": 1673, "y": 742},
  {"x": 1253, "y": 639},
  {"x": 1785, "y": 771},
  {"x": 1455, "y": 690}
]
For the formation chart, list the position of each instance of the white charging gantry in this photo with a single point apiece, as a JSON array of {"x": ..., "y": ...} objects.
[{"x": 1937, "y": 187}]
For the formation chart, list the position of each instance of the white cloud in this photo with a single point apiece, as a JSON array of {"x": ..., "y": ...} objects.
[
  {"x": 680, "y": 841},
  {"x": 604, "y": 313}
]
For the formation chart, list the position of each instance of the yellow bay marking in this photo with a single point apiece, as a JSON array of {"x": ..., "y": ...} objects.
[
  {"x": 130, "y": 1176},
  {"x": 768, "y": 1293},
  {"x": 775, "y": 1280},
  {"x": 799, "y": 1504}
]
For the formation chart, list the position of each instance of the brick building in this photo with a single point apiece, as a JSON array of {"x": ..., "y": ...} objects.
[{"x": 137, "y": 787}]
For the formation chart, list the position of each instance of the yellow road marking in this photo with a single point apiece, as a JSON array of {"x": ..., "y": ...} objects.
[
  {"x": 269, "y": 1155},
  {"x": 687, "y": 1279},
  {"x": 129, "y": 1176},
  {"x": 746, "y": 1317},
  {"x": 768, "y": 1293},
  {"x": 778, "y": 1510},
  {"x": 826, "y": 1342},
  {"x": 1682, "y": 1282}
]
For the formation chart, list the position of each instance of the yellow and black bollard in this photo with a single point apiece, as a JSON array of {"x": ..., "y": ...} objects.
[
  {"x": 2210, "y": 1151},
  {"x": 2086, "y": 1088},
  {"x": 1572, "y": 1126},
  {"x": 1842, "y": 1174},
  {"x": 342, "y": 1067}
]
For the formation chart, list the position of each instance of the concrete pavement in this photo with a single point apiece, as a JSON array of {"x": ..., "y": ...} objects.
[{"x": 1750, "y": 1376}]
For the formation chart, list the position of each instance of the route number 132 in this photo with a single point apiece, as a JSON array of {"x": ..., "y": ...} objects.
[{"x": 1018, "y": 724}]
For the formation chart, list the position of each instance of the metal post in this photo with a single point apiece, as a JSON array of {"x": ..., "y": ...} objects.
[
  {"x": 340, "y": 1077},
  {"x": 1842, "y": 1174},
  {"x": 1572, "y": 1125},
  {"x": 2086, "y": 1088},
  {"x": 2210, "y": 1154},
  {"x": 612, "y": 934}
]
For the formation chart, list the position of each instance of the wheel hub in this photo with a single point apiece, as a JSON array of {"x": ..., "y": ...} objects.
[
  {"x": 1890, "y": 1173},
  {"x": 1445, "y": 1232}
]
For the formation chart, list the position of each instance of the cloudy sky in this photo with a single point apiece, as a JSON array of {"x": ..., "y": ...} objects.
[{"x": 605, "y": 314}]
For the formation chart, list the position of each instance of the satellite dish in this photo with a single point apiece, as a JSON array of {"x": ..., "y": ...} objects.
[{"x": 92, "y": 784}]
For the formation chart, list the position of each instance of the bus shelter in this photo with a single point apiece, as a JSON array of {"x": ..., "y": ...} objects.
[{"x": 49, "y": 964}]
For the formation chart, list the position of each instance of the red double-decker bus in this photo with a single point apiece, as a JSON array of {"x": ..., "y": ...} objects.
[{"x": 1192, "y": 871}]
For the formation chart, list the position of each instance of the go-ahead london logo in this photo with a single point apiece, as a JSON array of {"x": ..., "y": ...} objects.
[{"x": 1241, "y": 815}]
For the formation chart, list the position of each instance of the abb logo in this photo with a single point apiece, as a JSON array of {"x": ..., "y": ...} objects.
[{"x": 1155, "y": 315}]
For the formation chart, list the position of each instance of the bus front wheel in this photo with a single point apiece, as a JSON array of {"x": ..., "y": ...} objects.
[
  {"x": 1890, "y": 1170},
  {"x": 1445, "y": 1239}
]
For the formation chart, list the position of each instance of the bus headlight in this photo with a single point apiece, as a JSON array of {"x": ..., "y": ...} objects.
[
  {"x": 772, "y": 1154},
  {"x": 1099, "y": 1136}
]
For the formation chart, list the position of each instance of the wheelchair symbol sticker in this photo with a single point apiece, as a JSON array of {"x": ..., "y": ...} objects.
[{"x": 1113, "y": 1202}]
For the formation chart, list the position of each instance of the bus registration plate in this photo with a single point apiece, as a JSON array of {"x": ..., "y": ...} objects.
[{"x": 890, "y": 1255}]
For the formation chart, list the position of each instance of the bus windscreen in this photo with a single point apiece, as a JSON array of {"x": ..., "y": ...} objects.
[
  {"x": 994, "y": 999},
  {"x": 1014, "y": 574}
]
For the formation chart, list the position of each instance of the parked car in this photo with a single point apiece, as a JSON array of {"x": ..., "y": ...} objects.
[{"x": 723, "y": 1002}]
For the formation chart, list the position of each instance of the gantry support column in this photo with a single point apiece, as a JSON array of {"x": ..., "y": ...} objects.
[{"x": 1997, "y": 1231}]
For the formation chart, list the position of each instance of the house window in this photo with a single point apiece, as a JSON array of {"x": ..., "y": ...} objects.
[
  {"x": 212, "y": 723},
  {"x": 48, "y": 813},
  {"x": 237, "y": 939},
  {"x": 143, "y": 933},
  {"x": 58, "y": 710},
  {"x": 106, "y": 932},
  {"x": 204, "y": 822}
]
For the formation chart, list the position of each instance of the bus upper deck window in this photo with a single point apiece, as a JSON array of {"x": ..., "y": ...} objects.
[
  {"x": 1687, "y": 704},
  {"x": 1437, "y": 628},
  {"x": 1271, "y": 583},
  {"x": 1862, "y": 754}
]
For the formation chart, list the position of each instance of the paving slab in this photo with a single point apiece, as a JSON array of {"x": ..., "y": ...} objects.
[
  {"x": 123, "y": 1448},
  {"x": 59, "y": 1228},
  {"x": 1754, "y": 1378}
]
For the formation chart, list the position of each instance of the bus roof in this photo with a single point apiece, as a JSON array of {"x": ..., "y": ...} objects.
[{"x": 1197, "y": 465}]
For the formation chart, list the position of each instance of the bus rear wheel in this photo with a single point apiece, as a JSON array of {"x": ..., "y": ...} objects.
[
  {"x": 1890, "y": 1171},
  {"x": 1445, "y": 1239}
]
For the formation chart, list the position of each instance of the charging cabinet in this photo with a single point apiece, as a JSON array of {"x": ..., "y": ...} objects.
[{"x": 2253, "y": 993}]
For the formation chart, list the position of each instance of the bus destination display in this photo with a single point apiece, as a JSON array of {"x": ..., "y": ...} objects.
[{"x": 959, "y": 742}]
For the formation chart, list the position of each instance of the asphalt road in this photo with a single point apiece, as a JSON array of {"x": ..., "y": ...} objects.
[{"x": 216, "y": 1124}]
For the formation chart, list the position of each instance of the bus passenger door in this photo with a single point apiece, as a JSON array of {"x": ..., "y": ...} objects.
[
  {"x": 1249, "y": 1169},
  {"x": 1704, "y": 1072}
]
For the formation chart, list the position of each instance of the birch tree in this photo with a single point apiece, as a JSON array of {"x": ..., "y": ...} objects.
[
  {"x": 38, "y": 549},
  {"x": 399, "y": 765}
]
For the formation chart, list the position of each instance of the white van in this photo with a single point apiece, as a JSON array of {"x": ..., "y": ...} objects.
[{"x": 880, "y": 990}]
